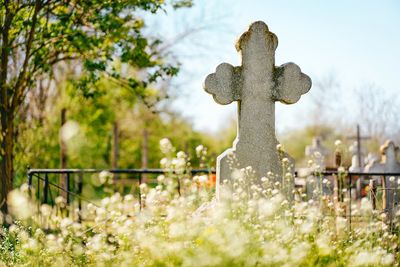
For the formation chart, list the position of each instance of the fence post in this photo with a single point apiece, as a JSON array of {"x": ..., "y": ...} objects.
[
  {"x": 372, "y": 189},
  {"x": 350, "y": 187},
  {"x": 67, "y": 188},
  {"x": 30, "y": 176},
  {"x": 46, "y": 189},
  {"x": 140, "y": 193},
  {"x": 29, "y": 179},
  {"x": 38, "y": 191},
  {"x": 80, "y": 187},
  {"x": 338, "y": 181}
]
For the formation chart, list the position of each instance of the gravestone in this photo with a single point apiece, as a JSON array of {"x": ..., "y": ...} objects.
[
  {"x": 374, "y": 182},
  {"x": 390, "y": 185},
  {"x": 357, "y": 158},
  {"x": 317, "y": 185},
  {"x": 255, "y": 85},
  {"x": 357, "y": 149},
  {"x": 357, "y": 165},
  {"x": 371, "y": 157}
]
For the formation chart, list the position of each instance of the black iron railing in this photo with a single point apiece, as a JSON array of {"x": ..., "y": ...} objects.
[
  {"x": 44, "y": 184},
  {"x": 43, "y": 181}
]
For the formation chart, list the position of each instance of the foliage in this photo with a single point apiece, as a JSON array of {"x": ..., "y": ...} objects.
[
  {"x": 95, "y": 35},
  {"x": 95, "y": 32},
  {"x": 250, "y": 224},
  {"x": 90, "y": 124}
]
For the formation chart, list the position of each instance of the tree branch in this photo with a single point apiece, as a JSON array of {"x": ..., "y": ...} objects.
[{"x": 19, "y": 90}]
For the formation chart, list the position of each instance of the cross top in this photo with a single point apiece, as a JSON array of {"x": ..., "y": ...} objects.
[
  {"x": 257, "y": 46},
  {"x": 389, "y": 153},
  {"x": 256, "y": 85},
  {"x": 356, "y": 163},
  {"x": 354, "y": 148},
  {"x": 388, "y": 161}
]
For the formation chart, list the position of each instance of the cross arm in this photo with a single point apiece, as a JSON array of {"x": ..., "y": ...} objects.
[
  {"x": 290, "y": 83},
  {"x": 224, "y": 84}
]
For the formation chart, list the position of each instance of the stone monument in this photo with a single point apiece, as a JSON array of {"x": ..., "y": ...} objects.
[
  {"x": 357, "y": 165},
  {"x": 390, "y": 184},
  {"x": 357, "y": 158},
  {"x": 256, "y": 85}
]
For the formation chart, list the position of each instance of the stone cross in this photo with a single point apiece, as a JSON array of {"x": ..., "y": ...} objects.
[
  {"x": 256, "y": 85},
  {"x": 357, "y": 165},
  {"x": 356, "y": 148},
  {"x": 390, "y": 184}
]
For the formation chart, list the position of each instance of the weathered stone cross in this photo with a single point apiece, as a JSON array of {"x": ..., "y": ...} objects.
[{"x": 255, "y": 85}]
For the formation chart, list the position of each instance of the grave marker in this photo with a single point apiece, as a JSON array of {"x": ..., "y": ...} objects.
[
  {"x": 357, "y": 160},
  {"x": 390, "y": 185},
  {"x": 357, "y": 150},
  {"x": 256, "y": 85},
  {"x": 357, "y": 157}
]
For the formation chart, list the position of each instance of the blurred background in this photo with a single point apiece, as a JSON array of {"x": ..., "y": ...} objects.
[{"x": 349, "y": 49}]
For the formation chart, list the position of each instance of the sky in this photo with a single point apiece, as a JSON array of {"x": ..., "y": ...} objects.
[{"x": 355, "y": 42}]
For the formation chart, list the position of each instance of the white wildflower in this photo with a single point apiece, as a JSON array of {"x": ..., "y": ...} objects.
[
  {"x": 160, "y": 179},
  {"x": 181, "y": 155},
  {"x": 104, "y": 176},
  {"x": 200, "y": 151},
  {"x": 166, "y": 146},
  {"x": 20, "y": 205}
]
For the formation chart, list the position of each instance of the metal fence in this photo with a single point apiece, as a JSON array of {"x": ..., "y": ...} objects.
[
  {"x": 344, "y": 184},
  {"x": 46, "y": 181}
]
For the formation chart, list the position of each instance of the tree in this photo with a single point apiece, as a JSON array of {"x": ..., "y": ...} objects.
[
  {"x": 376, "y": 111},
  {"x": 38, "y": 34}
]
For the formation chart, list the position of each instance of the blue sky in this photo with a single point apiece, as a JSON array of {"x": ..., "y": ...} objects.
[{"x": 356, "y": 42}]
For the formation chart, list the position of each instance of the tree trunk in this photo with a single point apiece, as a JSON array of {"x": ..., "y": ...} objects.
[
  {"x": 64, "y": 182},
  {"x": 115, "y": 146},
  {"x": 6, "y": 158},
  {"x": 145, "y": 152},
  {"x": 115, "y": 150}
]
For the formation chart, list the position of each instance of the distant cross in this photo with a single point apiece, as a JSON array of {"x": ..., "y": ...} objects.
[
  {"x": 388, "y": 164},
  {"x": 358, "y": 139},
  {"x": 256, "y": 85}
]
